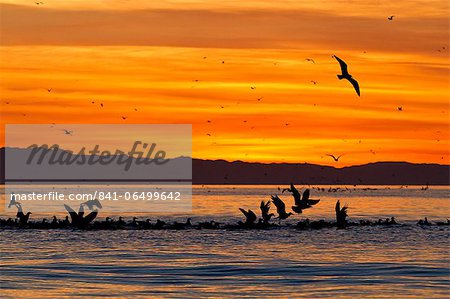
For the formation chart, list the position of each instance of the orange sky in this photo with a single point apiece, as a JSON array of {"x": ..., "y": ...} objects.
[{"x": 148, "y": 54}]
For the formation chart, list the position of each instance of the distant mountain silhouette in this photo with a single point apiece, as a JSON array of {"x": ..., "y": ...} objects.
[
  {"x": 380, "y": 173},
  {"x": 238, "y": 172}
]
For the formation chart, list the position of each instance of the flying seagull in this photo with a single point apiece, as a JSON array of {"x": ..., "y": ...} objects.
[
  {"x": 281, "y": 208},
  {"x": 391, "y": 18},
  {"x": 23, "y": 218},
  {"x": 67, "y": 132},
  {"x": 346, "y": 75},
  {"x": 334, "y": 157},
  {"x": 300, "y": 202},
  {"x": 341, "y": 215},
  {"x": 250, "y": 216},
  {"x": 265, "y": 208},
  {"x": 78, "y": 219},
  {"x": 310, "y": 60},
  {"x": 306, "y": 201}
]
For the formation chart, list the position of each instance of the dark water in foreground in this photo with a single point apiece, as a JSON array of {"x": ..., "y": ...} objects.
[{"x": 360, "y": 262}]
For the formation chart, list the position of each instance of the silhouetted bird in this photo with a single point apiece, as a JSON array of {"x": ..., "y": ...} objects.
[
  {"x": 250, "y": 216},
  {"x": 424, "y": 221},
  {"x": 296, "y": 194},
  {"x": 265, "y": 208},
  {"x": 306, "y": 200},
  {"x": 23, "y": 218},
  {"x": 281, "y": 208},
  {"x": 391, "y": 18},
  {"x": 341, "y": 215},
  {"x": 178, "y": 225},
  {"x": 67, "y": 132},
  {"x": 310, "y": 60},
  {"x": 120, "y": 222},
  {"x": 66, "y": 221},
  {"x": 301, "y": 203},
  {"x": 334, "y": 157},
  {"x": 346, "y": 75},
  {"x": 54, "y": 222},
  {"x": 159, "y": 223},
  {"x": 79, "y": 219}
]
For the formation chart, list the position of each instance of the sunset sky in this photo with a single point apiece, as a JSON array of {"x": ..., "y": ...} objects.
[{"x": 180, "y": 62}]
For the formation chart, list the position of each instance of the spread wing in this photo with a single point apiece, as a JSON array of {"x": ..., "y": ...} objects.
[
  {"x": 342, "y": 64},
  {"x": 72, "y": 213},
  {"x": 12, "y": 202},
  {"x": 265, "y": 207},
  {"x": 332, "y": 156},
  {"x": 306, "y": 195},
  {"x": 252, "y": 215},
  {"x": 337, "y": 208},
  {"x": 344, "y": 211},
  {"x": 313, "y": 201},
  {"x": 355, "y": 85},
  {"x": 92, "y": 203},
  {"x": 281, "y": 207},
  {"x": 89, "y": 217},
  {"x": 243, "y": 212}
]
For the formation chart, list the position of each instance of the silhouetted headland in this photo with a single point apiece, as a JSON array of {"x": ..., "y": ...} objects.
[{"x": 239, "y": 172}]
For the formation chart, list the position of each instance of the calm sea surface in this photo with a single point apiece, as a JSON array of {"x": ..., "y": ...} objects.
[{"x": 405, "y": 261}]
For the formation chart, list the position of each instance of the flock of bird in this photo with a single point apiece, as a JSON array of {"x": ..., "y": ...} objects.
[{"x": 301, "y": 202}]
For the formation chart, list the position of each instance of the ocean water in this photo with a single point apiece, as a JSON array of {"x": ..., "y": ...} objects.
[{"x": 404, "y": 261}]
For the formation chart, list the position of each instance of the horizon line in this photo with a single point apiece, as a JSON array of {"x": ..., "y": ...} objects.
[{"x": 271, "y": 163}]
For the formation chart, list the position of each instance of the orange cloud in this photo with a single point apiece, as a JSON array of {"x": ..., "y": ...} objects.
[{"x": 149, "y": 66}]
